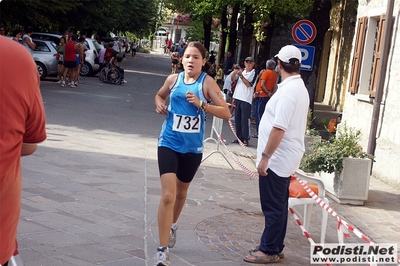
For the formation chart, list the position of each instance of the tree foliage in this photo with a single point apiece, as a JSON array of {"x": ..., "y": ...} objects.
[{"x": 117, "y": 16}]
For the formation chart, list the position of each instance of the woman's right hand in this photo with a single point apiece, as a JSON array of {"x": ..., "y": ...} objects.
[{"x": 162, "y": 109}]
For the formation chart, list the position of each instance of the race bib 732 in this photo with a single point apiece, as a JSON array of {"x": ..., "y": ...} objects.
[{"x": 186, "y": 123}]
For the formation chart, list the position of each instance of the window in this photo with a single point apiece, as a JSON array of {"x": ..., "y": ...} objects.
[
  {"x": 41, "y": 46},
  {"x": 367, "y": 55}
]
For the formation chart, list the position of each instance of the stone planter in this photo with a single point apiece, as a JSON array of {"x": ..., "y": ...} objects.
[
  {"x": 351, "y": 186},
  {"x": 308, "y": 141}
]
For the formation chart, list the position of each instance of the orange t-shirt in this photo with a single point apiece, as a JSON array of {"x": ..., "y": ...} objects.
[
  {"x": 22, "y": 119},
  {"x": 270, "y": 77}
]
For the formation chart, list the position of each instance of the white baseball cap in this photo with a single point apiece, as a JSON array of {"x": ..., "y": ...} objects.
[{"x": 289, "y": 52}]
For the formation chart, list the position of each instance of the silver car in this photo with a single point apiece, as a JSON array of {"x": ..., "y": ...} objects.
[{"x": 43, "y": 56}]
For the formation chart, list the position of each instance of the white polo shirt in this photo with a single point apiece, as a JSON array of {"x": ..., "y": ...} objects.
[{"x": 286, "y": 110}]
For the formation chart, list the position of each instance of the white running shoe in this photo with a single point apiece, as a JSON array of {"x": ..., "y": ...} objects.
[
  {"x": 172, "y": 236},
  {"x": 162, "y": 257},
  {"x": 63, "y": 83}
]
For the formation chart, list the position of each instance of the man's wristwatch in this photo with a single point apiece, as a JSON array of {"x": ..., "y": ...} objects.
[{"x": 264, "y": 154}]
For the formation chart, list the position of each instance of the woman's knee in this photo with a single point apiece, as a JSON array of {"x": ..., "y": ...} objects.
[
  {"x": 168, "y": 198},
  {"x": 181, "y": 195}
]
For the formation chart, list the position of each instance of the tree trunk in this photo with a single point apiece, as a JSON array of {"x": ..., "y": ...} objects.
[
  {"x": 320, "y": 16},
  {"x": 247, "y": 33},
  {"x": 222, "y": 37},
  {"x": 207, "y": 33},
  {"x": 232, "y": 30},
  {"x": 265, "y": 45}
]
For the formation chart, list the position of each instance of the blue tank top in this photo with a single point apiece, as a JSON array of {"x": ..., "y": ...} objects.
[{"x": 183, "y": 127}]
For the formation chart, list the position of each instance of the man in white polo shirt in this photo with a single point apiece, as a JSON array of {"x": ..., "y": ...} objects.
[
  {"x": 279, "y": 151},
  {"x": 243, "y": 97}
]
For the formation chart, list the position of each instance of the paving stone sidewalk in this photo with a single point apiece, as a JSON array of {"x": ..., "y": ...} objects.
[{"x": 91, "y": 198}]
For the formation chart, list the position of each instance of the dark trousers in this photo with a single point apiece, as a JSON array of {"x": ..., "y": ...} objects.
[
  {"x": 242, "y": 116},
  {"x": 261, "y": 103},
  {"x": 274, "y": 196}
]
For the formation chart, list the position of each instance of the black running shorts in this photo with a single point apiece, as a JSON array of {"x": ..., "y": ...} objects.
[{"x": 184, "y": 165}]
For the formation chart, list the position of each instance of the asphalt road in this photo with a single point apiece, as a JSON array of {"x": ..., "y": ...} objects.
[{"x": 95, "y": 105}]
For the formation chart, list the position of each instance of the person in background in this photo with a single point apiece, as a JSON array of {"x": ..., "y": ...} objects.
[
  {"x": 2, "y": 31},
  {"x": 17, "y": 34},
  {"x": 174, "y": 61},
  {"x": 70, "y": 51},
  {"x": 243, "y": 97},
  {"x": 180, "y": 145},
  {"x": 116, "y": 45},
  {"x": 101, "y": 56},
  {"x": 80, "y": 59},
  {"x": 264, "y": 90},
  {"x": 169, "y": 46},
  {"x": 254, "y": 102},
  {"x": 23, "y": 126},
  {"x": 27, "y": 38},
  {"x": 114, "y": 64},
  {"x": 227, "y": 89},
  {"x": 60, "y": 57},
  {"x": 66, "y": 36},
  {"x": 211, "y": 59},
  {"x": 133, "y": 48},
  {"x": 181, "y": 48},
  {"x": 219, "y": 76},
  {"x": 279, "y": 151},
  {"x": 230, "y": 61}
]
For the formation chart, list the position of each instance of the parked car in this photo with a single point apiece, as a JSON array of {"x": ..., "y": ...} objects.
[
  {"x": 55, "y": 37},
  {"x": 89, "y": 67},
  {"x": 43, "y": 55}
]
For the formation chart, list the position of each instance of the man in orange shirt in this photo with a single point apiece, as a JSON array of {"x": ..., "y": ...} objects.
[
  {"x": 22, "y": 120},
  {"x": 264, "y": 90}
]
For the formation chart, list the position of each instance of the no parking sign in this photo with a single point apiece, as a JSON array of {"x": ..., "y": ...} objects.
[{"x": 304, "y": 31}]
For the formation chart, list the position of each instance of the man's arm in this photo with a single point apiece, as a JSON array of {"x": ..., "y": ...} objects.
[
  {"x": 265, "y": 88},
  {"x": 275, "y": 138},
  {"x": 28, "y": 149},
  {"x": 30, "y": 43}
]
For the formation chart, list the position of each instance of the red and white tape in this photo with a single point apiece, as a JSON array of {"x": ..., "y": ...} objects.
[
  {"x": 305, "y": 233},
  {"x": 245, "y": 169},
  {"x": 343, "y": 226}
]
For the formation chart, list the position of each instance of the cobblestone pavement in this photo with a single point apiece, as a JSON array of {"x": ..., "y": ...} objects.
[{"x": 91, "y": 192}]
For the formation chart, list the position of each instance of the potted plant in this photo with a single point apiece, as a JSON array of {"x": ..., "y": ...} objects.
[
  {"x": 312, "y": 135},
  {"x": 342, "y": 165}
]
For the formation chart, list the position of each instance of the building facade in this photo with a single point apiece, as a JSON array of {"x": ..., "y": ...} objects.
[{"x": 372, "y": 88}]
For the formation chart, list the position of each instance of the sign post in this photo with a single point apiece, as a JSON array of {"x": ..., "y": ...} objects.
[{"x": 304, "y": 32}]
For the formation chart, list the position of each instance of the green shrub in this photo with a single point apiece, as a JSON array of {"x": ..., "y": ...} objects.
[{"x": 328, "y": 155}]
